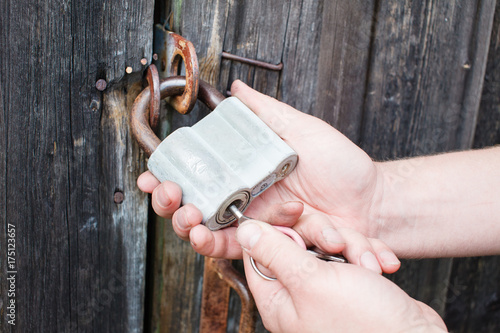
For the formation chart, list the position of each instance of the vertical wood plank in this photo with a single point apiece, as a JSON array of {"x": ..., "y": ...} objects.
[
  {"x": 425, "y": 57},
  {"x": 65, "y": 152},
  {"x": 474, "y": 292},
  {"x": 178, "y": 271},
  {"x": 255, "y": 30},
  {"x": 488, "y": 123},
  {"x": 425, "y": 73},
  {"x": 326, "y": 61}
]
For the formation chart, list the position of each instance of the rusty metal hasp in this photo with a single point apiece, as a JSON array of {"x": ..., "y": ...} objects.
[{"x": 171, "y": 49}]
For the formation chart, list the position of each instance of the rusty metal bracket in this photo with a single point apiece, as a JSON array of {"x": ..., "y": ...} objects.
[
  {"x": 154, "y": 101},
  {"x": 218, "y": 276},
  {"x": 140, "y": 115},
  {"x": 171, "y": 49}
]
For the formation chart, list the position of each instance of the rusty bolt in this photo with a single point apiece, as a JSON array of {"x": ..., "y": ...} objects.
[
  {"x": 144, "y": 61},
  {"x": 118, "y": 197},
  {"x": 101, "y": 84}
]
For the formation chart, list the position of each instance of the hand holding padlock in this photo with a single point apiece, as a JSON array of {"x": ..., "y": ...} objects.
[
  {"x": 228, "y": 158},
  {"x": 331, "y": 181}
]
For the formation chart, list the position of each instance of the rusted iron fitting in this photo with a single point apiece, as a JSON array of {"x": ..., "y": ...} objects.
[
  {"x": 172, "y": 86},
  {"x": 253, "y": 62},
  {"x": 219, "y": 276},
  {"x": 173, "y": 48},
  {"x": 155, "y": 99}
]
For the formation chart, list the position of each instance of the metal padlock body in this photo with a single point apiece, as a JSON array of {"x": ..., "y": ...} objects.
[{"x": 229, "y": 157}]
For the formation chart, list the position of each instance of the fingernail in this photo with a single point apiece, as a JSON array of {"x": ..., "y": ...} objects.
[
  {"x": 163, "y": 199},
  {"x": 389, "y": 258},
  {"x": 332, "y": 236},
  {"x": 368, "y": 260},
  {"x": 248, "y": 234}
]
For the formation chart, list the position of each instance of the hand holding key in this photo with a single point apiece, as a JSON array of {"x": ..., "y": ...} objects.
[{"x": 311, "y": 295}]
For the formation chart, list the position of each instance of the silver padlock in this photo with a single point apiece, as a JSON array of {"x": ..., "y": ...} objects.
[{"x": 229, "y": 157}]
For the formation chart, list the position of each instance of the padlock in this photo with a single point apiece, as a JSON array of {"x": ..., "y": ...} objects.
[{"x": 229, "y": 157}]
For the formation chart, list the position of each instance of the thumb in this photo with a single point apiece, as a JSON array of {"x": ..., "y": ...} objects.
[{"x": 278, "y": 253}]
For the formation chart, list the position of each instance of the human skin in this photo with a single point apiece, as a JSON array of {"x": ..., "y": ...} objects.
[{"x": 341, "y": 201}]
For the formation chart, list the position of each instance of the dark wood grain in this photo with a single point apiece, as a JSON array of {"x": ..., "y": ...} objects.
[
  {"x": 487, "y": 131},
  {"x": 326, "y": 61},
  {"x": 423, "y": 97},
  {"x": 65, "y": 151},
  {"x": 425, "y": 76},
  {"x": 474, "y": 292}
]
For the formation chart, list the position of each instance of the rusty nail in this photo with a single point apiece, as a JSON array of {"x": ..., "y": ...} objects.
[
  {"x": 128, "y": 70},
  {"x": 155, "y": 57},
  {"x": 144, "y": 61},
  {"x": 252, "y": 62},
  {"x": 118, "y": 197},
  {"x": 101, "y": 84}
]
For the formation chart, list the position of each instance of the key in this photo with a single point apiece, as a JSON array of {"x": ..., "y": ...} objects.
[{"x": 294, "y": 236}]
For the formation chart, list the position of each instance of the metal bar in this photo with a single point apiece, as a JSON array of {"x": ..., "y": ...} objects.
[
  {"x": 253, "y": 62},
  {"x": 236, "y": 281},
  {"x": 214, "y": 300}
]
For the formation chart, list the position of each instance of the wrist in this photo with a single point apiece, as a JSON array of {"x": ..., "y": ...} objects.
[
  {"x": 392, "y": 216},
  {"x": 384, "y": 216}
]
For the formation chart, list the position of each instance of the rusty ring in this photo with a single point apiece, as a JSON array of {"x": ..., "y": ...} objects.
[
  {"x": 184, "y": 48},
  {"x": 154, "y": 90},
  {"x": 171, "y": 86}
]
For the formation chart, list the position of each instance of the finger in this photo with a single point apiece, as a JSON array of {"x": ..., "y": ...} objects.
[
  {"x": 217, "y": 244},
  {"x": 284, "y": 214},
  {"x": 385, "y": 256},
  {"x": 147, "y": 182},
  {"x": 275, "y": 251},
  {"x": 166, "y": 199},
  {"x": 359, "y": 250},
  {"x": 186, "y": 218},
  {"x": 272, "y": 299},
  {"x": 317, "y": 229},
  {"x": 281, "y": 118}
]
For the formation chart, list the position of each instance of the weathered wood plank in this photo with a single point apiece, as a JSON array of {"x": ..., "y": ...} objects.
[
  {"x": 65, "y": 151},
  {"x": 326, "y": 61},
  {"x": 175, "y": 296},
  {"x": 425, "y": 59},
  {"x": 427, "y": 66},
  {"x": 255, "y": 30},
  {"x": 488, "y": 123},
  {"x": 474, "y": 293}
]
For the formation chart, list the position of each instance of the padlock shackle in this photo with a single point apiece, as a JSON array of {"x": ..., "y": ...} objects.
[{"x": 171, "y": 86}]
